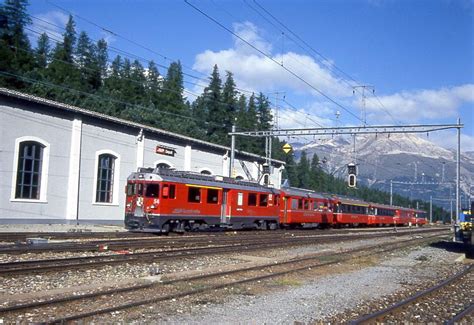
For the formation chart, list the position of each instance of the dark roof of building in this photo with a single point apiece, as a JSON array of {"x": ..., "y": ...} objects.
[{"x": 75, "y": 109}]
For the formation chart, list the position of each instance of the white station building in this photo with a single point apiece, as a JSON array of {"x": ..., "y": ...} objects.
[{"x": 64, "y": 164}]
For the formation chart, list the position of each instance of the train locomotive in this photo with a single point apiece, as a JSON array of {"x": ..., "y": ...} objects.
[{"x": 164, "y": 200}]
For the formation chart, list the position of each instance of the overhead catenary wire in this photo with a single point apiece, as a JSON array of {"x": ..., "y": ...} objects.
[
  {"x": 141, "y": 59},
  {"x": 273, "y": 60},
  {"x": 131, "y": 55}
]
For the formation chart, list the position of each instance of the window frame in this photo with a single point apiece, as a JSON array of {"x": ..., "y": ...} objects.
[
  {"x": 116, "y": 179},
  {"x": 208, "y": 196},
  {"x": 253, "y": 194},
  {"x": 43, "y": 183},
  {"x": 194, "y": 188}
]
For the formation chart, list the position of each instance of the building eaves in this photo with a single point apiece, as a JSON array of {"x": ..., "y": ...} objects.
[{"x": 75, "y": 109}]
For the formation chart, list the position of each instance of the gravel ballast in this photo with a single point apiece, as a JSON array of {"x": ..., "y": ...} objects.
[{"x": 324, "y": 297}]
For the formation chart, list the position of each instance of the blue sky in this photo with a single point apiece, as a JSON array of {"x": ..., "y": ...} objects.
[{"x": 418, "y": 55}]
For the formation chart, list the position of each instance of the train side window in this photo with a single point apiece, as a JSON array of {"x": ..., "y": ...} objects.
[
  {"x": 152, "y": 190},
  {"x": 168, "y": 191},
  {"x": 294, "y": 204},
  {"x": 165, "y": 192},
  {"x": 263, "y": 200},
  {"x": 212, "y": 196},
  {"x": 240, "y": 199},
  {"x": 172, "y": 191},
  {"x": 306, "y": 205},
  {"x": 194, "y": 194},
  {"x": 300, "y": 204},
  {"x": 252, "y": 199}
]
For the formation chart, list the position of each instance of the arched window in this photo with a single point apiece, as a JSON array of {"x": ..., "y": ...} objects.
[
  {"x": 29, "y": 170},
  {"x": 239, "y": 178},
  {"x": 206, "y": 172},
  {"x": 105, "y": 178}
]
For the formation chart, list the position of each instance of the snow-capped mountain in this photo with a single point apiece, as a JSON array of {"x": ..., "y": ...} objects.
[{"x": 400, "y": 158}]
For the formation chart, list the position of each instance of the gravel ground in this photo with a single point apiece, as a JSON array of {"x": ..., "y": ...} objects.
[
  {"x": 19, "y": 284},
  {"x": 322, "y": 298},
  {"x": 106, "y": 274}
]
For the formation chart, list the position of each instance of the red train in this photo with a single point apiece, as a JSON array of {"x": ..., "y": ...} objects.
[{"x": 164, "y": 200}]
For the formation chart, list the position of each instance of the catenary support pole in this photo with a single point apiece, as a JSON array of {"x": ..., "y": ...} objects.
[
  {"x": 431, "y": 209},
  {"x": 232, "y": 152},
  {"x": 458, "y": 172},
  {"x": 391, "y": 192}
]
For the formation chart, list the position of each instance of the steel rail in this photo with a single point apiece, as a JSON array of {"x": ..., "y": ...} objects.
[
  {"x": 36, "y": 266},
  {"x": 147, "y": 242},
  {"x": 375, "y": 316},
  {"x": 456, "y": 319},
  {"x": 339, "y": 257}
]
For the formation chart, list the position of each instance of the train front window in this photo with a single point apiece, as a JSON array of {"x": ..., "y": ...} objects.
[
  {"x": 152, "y": 190},
  {"x": 130, "y": 189},
  {"x": 139, "y": 189}
]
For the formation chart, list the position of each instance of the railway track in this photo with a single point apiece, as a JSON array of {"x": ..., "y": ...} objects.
[
  {"x": 451, "y": 300},
  {"x": 231, "y": 245},
  {"x": 142, "y": 241},
  {"x": 82, "y": 306}
]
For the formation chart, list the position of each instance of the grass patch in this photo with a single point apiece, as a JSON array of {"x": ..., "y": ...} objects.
[{"x": 291, "y": 282}]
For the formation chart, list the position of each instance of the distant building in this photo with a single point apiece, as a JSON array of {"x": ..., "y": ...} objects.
[{"x": 64, "y": 164}]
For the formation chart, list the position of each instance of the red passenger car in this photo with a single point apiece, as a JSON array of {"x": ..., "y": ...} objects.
[
  {"x": 304, "y": 208},
  {"x": 163, "y": 200},
  {"x": 381, "y": 214},
  {"x": 351, "y": 212}
]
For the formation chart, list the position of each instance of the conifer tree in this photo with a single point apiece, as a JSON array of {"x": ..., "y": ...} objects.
[
  {"x": 62, "y": 69},
  {"x": 229, "y": 98},
  {"x": 215, "y": 108},
  {"x": 303, "y": 171},
  {"x": 15, "y": 48},
  {"x": 42, "y": 51}
]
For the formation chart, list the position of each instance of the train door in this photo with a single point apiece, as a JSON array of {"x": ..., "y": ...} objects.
[
  {"x": 285, "y": 209},
  {"x": 137, "y": 202},
  {"x": 226, "y": 206}
]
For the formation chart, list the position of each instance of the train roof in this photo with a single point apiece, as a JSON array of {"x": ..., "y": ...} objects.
[
  {"x": 192, "y": 178},
  {"x": 304, "y": 192}
]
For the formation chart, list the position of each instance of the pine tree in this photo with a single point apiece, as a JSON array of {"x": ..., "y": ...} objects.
[
  {"x": 229, "y": 98},
  {"x": 101, "y": 58},
  {"x": 215, "y": 109},
  {"x": 42, "y": 52},
  {"x": 15, "y": 48},
  {"x": 62, "y": 69},
  {"x": 303, "y": 172},
  {"x": 86, "y": 61}
]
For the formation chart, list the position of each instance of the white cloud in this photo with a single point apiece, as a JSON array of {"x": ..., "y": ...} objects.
[
  {"x": 254, "y": 71},
  {"x": 448, "y": 139},
  {"x": 51, "y": 23},
  {"x": 421, "y": 105}
]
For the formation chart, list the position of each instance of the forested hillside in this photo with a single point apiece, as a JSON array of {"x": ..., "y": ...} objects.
[{"x": 80, "y": 71}]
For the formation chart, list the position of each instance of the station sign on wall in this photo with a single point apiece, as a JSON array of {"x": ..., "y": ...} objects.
[{"x": 167, "y": 151}]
